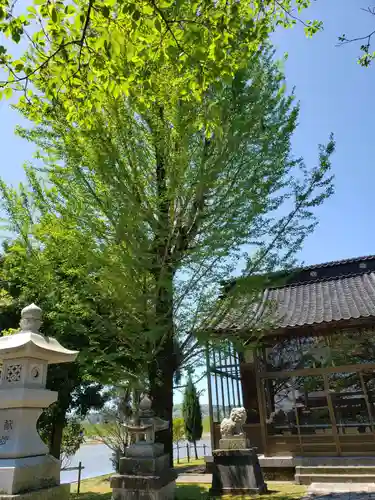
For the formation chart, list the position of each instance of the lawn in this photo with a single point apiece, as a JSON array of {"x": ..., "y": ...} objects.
[
  {"x": 98, "y": 489},
  {"x": 192, "y": 463}
]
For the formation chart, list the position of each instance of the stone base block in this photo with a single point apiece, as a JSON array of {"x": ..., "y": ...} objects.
[
  {"x": 279, "y": 461},
  {"x": 234, "y": 443},
  {"x": 236, "y": 472},
  {"x": 61, "y": 492},
  {"x": 165, "y": 493},
  {"x": 144, "y": 487},
  {"x": 145, "y": 449},
  {"x": 144, "y": 465},
  {"x": 27, "y": 474}
]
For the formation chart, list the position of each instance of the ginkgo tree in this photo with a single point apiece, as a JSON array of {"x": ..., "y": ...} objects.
[
  {"x": 173, "y": 198},
  {"x": 80, "y": 47}
]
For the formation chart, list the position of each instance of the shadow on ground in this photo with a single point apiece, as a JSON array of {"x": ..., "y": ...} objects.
[
  {"x": 190, "y": 469},
  {"x": 352, "y": 494},
  {"x": 91, "y": 496},
  {"x": 191, "y": 492},
  {"x": 197, "y": 492},
  {"x": 200, "y": 492}
]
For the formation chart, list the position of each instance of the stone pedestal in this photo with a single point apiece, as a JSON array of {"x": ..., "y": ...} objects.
[
  {"x": 144, "y": 471},
  {"x": 26, "y": 469},
  {"x": 27, "y": 474},
  {"x": 60, "y": 492},
  {"x": 144, "y": 474},
  {"x": 234, "y": 443},
  {"x": 235, "y": 467},
  {"x": 237, "y": 472}
]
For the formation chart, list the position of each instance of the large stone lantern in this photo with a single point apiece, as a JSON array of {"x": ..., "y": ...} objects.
[{"x": 25, "y": 465}]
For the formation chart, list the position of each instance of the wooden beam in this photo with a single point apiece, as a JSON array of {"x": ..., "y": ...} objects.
[
  {"x": 306, "y": 372},
  {"x": 332, "y": 414},
  {"x": 261, "y": 406}
]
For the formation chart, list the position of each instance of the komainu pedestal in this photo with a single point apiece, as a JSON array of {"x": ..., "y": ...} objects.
[
  {"x": 236, "y": 469},
  {"x": 145, "y": 473},
  {"x": 237, "y": 472}
]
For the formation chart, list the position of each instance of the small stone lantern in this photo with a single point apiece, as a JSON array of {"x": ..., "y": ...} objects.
[
  {"x": 144, "y": 471},
  {"x": 25, "y": 465}
]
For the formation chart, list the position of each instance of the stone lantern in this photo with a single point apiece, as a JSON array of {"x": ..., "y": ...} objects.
[
  {"x": 25, "y": 465},
  {"x": 144, "y": 471}
]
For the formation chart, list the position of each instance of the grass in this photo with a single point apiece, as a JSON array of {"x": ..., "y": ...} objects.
[
  {"x": 98, "y": 489},
  {"x": 93, "y": 489},
  {"x": 206, "y": 424},
  {"x": 193, "y": 463}
]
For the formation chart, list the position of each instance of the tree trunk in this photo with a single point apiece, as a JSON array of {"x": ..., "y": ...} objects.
[
  {"x": 163, "y": 365},
  {"x": 57, "y": 434},
  {"x": 161, "y": 385},
  {"x": 195, "y": 450}
]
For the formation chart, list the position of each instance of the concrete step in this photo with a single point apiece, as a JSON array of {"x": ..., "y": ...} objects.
[
  {"x": 334, "y": 478},
  {"x": 334, "y": 461},
  {"x": 335, "y": 470}
]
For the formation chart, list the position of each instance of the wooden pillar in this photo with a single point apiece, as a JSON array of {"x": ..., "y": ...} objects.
[{"x": 249, "y": 389}]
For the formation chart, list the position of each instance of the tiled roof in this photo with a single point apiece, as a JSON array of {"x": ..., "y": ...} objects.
[
  {"x": 313, "y": 301},
  {"x": 335, "y": 263}
]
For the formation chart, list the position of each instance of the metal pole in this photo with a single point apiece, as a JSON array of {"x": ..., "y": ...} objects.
[
  {"x": 209, "y": 387},
  {"x": 238, "y": 376},
  {"x": 188, "y": 452},
  {"x": 79, "y": 477},
  {"x": 216, "y": 386},
  {"x": 232, "y": 363},
  {"x": 226, "y": 368},
  {"x": 221, "y": 386}
]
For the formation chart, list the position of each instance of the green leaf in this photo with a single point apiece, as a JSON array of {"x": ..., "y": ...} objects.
[
  {"x": 70, "y": 9},
  {"x": 54, "y": 14},
  {"x": 8, "y": 92},
  {"x": 136, "y": 15},
  {"x": 157, "y": 24},
  {"x": 105, "y": 11},
  {"x": 32, "y": 9},
  {"x": 18, "y": 65}
]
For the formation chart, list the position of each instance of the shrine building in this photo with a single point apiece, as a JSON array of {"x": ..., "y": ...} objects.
[{"x": 307, "y": 379}]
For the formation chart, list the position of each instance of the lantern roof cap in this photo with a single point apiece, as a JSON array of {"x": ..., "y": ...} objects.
[{"x": 30, "y": 343}]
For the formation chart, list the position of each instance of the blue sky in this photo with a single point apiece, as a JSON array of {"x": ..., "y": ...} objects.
[{"x": 336, "y": 95}]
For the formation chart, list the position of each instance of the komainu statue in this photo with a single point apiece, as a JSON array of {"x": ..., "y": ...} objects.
[{"x": 233, "y": 426}]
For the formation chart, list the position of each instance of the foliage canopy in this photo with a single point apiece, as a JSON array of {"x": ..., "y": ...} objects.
[{"x": 78, "y": 49}]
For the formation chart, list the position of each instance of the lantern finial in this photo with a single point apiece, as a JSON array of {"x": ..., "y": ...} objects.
[{"x": 31, "y": 318}]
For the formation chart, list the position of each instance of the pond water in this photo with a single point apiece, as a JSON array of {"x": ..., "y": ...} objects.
[{"x": 96, "y": 459}]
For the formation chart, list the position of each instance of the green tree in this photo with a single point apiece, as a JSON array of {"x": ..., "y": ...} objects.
[
  {"x": 178, "y": 434},
  {"x": 155, "y": 211},
  {"x": 178, "y": 429},
  {"x": 72, "y": 438},
  {"x": 123, "y": 46},
  {"x": 192, "y": 415},
  {"x": 114, "y": 434}
]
